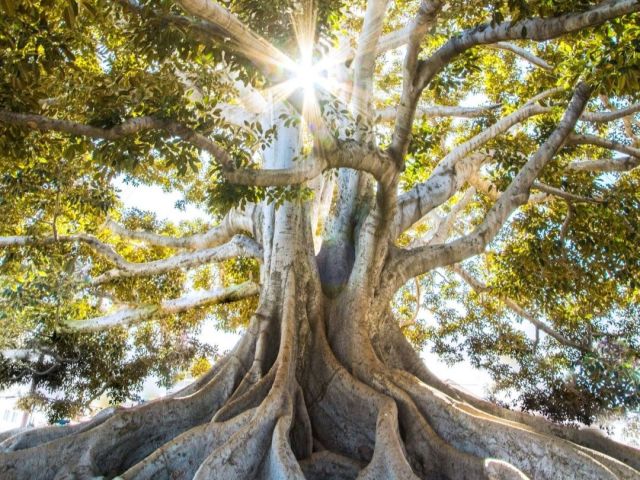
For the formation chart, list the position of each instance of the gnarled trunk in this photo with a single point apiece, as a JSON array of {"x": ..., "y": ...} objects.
[{"x": 322, "y": 385}]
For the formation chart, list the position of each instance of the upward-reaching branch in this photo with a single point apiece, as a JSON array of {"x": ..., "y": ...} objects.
[
  {"x": 426, "y": 16},
  {"x": 534, "y": 29},
  {"x": 409, "y": 263},
  {"x": 365, "y": 56},
  {"x": 452, "y": 171}
]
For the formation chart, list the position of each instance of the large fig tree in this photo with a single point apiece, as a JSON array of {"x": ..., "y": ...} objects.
[{"x": 358, "y": 160}]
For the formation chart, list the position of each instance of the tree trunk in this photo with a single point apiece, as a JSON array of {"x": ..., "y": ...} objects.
[
  {"x": 320, "y": 386},
  {"x": 323, "y": 384}
]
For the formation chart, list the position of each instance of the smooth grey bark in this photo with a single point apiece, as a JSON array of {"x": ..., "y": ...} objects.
[{"x": 323, "y": 383}]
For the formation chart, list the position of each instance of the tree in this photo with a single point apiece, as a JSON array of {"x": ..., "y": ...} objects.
[{"x": 332, "y": 173}]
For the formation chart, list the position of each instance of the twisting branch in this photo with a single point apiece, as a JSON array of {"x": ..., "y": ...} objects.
[
  {"x": 410, "y": 263},
  {"x": 130, "y": 316},
  {"x": 233, "y": 223},
  {"x": 622, "y": 164},
  {"x": 522, "y": 53},
  {"x": 416, "y": 79},
  {"x": 533, "y": 29},
  {"x": 126, "y": 128},
  {"x": 480, "y": 287},
  {"x": 347, "y": 155},
  {"x": 239, "y": 246}
]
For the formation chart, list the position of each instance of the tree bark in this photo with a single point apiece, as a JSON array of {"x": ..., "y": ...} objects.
[{"x": 318, "y": 387}]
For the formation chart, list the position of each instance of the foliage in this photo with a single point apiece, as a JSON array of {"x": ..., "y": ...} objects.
[{"x": 574, "y": 264}]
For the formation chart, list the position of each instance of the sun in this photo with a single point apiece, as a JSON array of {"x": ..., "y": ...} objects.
[{"x": 306, "y": 75}]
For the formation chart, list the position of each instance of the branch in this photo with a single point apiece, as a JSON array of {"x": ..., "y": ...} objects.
[
  {"x": 365, "y": 57},
  {"x": 416, "y": 79},
  {"x": 533, "y": 29},
  {"x": 233, "y": 223},
  {"x": 97, "y": 245},
  {"x": 480, "y": 287},
  {"x": 522, "y": 53},
  {"x": 601, "y": 117},
  {"x": 442, "y": 225},
  {"x": 298, "y": 174},
  {"x": 426, "y": 17},
  {"x": 260, "y": 51},
  {"x": 26, "y": 355},
  {"x": 388, "y": 114},
  {"x": 570, "y": 197},
  {"x": 448, "y": 175},
  {"x": 410, "y": 263},
  {"x": 576, "y": 139},
  {"x": 126, "y": 128},
  {"x": 132, "y": 316},
  {"x": 238, "y": 246},
  {"x": 622, "y": 164}
]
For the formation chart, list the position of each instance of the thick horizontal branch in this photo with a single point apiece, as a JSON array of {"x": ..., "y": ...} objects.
[
  {"x": 233, "y": 223},
  {"x": 410, "y": 263},
  {"x": 622, "y": 164},
  {"x": 298, "y": 174},
  {"x": 389, "y": 113},
  {"x": 128, "y": 127},
  {"x": 480, "y": 287},
  {"x": 131, "y": 316},
  {"x": 601, "y": 117},
  {"x": 522, "y": 53},
  {"x": 239, "y": 246}
]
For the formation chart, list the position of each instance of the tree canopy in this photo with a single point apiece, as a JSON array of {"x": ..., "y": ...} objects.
[{"x": 154, "y": 92}]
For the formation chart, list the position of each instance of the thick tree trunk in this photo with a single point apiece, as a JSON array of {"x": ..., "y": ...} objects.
[{"x": 320, "y": 386}]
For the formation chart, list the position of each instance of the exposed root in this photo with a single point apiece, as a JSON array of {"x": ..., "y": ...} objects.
[
  {"x": 396, "y": 352},
  {"x": 326, "y": 464},
  {"x": 291, "y": 409},
  {"x": 478, "y": 433},
  {"x": 389, "y": 458},
  {"x": 34, "y": 437},
  {"x": 249, "y": 399},
  {"x": 125, "y": 437},
  {"x": 180, "y": 458}
]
